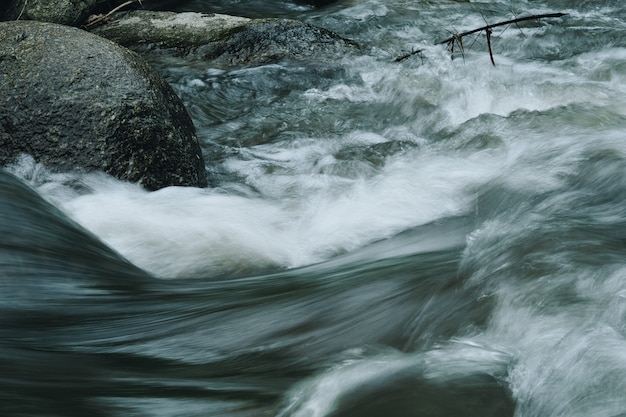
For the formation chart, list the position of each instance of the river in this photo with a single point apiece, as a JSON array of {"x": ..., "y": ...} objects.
[{"x": 430, "y": 237}]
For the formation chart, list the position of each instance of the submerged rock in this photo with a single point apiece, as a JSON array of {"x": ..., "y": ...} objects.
[
  {"x": 75, "y": 100},
  {"x": 225, "y": 39},
  {"x": 65, "y": 12}
]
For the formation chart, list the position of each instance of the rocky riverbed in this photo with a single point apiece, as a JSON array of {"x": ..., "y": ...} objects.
[{"x": 73, "y": 100}]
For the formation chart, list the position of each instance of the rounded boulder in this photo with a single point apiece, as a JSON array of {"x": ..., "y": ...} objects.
[{"x": 74, "y": 100}]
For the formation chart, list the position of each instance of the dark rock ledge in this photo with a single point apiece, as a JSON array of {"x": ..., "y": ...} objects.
[{"x": 222, "y": 39}]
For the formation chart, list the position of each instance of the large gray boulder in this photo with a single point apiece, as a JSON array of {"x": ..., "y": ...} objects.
[
  {"x": 65, "y": 12},
  {"x": 224, "y": 39},
  {"x": 72, "y": 99}
]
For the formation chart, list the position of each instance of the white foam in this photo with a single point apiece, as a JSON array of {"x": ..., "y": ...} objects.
[
  {"x": 186, "y": 231},
  {"x": 321, "y": 395},
  {"x": 299, "y": 218}
]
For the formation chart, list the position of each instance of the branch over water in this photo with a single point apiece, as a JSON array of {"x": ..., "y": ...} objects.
[
  {"x": 507, "y": 22},
  {"x": 457, "y": 38}
]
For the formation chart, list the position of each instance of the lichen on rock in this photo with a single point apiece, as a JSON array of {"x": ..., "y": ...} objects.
[{"x": 141, "y": 28}]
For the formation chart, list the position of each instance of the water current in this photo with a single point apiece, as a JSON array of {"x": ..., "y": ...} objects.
[{"x": 430, "y": 237}]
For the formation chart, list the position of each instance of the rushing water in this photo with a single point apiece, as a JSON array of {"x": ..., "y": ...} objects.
[{"x": 431, "y": 237}]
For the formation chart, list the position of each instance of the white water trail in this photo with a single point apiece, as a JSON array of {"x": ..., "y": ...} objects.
[
  {"x": 326, "y": 393},
  {"x": 183, "y": 232}
]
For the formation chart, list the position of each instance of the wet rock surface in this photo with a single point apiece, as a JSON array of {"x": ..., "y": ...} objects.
[
  {"x": 225, "y": 40},
  {"x": 66, "y": 12},
  {"x": 75, "y": 100}
]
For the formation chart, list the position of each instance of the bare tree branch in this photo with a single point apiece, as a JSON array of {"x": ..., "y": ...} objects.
[
  {"x": 488, "y": 31},
  {"x": 507, "y": 22},
  {"x": 410, "y": 54},
  {"x": 457, "y": 38},
  {"x": 101, "y": 18},
  {"x": 22, "y": 11}
]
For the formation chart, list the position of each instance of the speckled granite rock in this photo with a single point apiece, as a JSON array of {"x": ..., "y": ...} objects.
[{"x": 75, "y": 100}]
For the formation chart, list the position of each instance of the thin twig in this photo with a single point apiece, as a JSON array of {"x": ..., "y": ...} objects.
[
  {"x": 507, "y": 28},
  {"x": 106, "y": 16},
  {"x": 19, "y": 16},
  {"x": 475, "y": 40},
  {"x": 518, "y": 26},
  {"x": 406, "y": 56},
  {"x": 459, "y": 41},
  {"x": 488, "y": 31}
]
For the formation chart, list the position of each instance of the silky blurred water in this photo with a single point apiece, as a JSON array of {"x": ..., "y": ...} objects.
[{"x": 430, "y": 237}]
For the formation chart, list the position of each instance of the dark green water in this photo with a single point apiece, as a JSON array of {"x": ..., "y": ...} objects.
[{"x": 433, "y": 237}]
